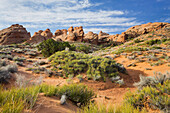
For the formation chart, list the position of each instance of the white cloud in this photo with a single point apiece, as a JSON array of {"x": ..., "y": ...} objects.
[
  {"x": 167, "y": 20},
  {"x": 111, "y": 30},
  {"x": 61, "y": 13}
]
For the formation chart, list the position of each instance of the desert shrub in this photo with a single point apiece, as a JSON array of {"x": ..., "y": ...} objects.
[
  {"x": 50, "y": 46},
  {"x": 75, "y": 63},
  {"x": 152, "y": 80},
  {"x": 3, "y": 63},
  {"x": 84, "y": 48},
  {"x": 77, "y": 93},
  {"x": 152, "y": 42},
  {"x": 99, "y": 68},
  {"x": 153, "y": 93},
  {"x": 5, "y": 72},
  {"x": 103, "y": 108},
  {"x": 138, "y": 41},
  {"x": 19, "y": 59},
  {"x": 129, "y": 49},
  {"x": 155, "y": 47}
]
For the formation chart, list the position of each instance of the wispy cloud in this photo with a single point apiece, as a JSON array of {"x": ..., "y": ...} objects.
[{"x": 61, "y": 13}]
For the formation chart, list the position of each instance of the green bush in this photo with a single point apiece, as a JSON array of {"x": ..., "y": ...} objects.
[
  {"x": 84, "y": 48},
  {"x": 152, "y": 42},
  {"x": 76, "y": 63},
  {"x": 77, "y": 93},
  {"x": 50, "y": 46},
  {"x": 138, "y": 41}
]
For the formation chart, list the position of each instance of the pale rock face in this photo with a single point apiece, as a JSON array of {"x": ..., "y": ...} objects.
[{"x": 14, "y": 34}]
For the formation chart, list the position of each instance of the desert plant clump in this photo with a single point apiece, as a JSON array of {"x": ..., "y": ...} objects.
[
  {"x": 152, "y": 80},
  {"x": 84, "y": 48},
  {"x": 129, "y": 49},
  {"x": 153, "y": 93},
  {"x": 98, "y": 68},
  {"x": 50, "y": 46},
  {"x": 6, "y": 70},
  {"x": 138, "y": 41}
]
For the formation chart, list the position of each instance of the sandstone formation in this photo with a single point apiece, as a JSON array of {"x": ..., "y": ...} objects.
[
  {"x": 138, "y": 30},
  {"x": 14, "y": 34},
  {"x": 91, "y": 37},
  {"x": 36, "y": 38},
  {"x": 74, "y": 34},
  {"x": 103, "y": 37},
  {"x": 47, "y": 34},
  {"x": 40, "y": 36}
]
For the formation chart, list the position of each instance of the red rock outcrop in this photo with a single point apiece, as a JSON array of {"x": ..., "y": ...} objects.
[
  {"x": 138, "y": 30},
  {"x": 74, "y": 34},
  {"x": 14, "y": 34}
]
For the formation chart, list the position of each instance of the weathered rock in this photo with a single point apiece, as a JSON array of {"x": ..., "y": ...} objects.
[
  {"x": 13, "y": 35},
  {"x": 47, "y": 34},
  {"x": 103, "y": 37},
  {"x": 60, "y": 35},
  {"x": 40, "y": 36},
  {"x": 138, "y": 30},
  {"x": 79, "y": 33},
  {"x": 91, "y": 37},
  {"x": 36, "y": 38}
]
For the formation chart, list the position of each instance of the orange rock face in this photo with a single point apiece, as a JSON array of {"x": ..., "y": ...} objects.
[
  {"x": 14, "y": 34},
  {"x": 47, "y": 33}
]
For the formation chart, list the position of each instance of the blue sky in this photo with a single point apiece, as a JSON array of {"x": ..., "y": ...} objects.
[{"x": 111, "y": 16}]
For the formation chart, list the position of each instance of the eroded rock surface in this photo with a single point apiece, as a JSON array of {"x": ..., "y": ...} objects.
[{"x": 14, "y": 34}]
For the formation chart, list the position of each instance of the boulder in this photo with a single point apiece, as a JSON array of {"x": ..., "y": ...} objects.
[{"x": 14, "y": 34}]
